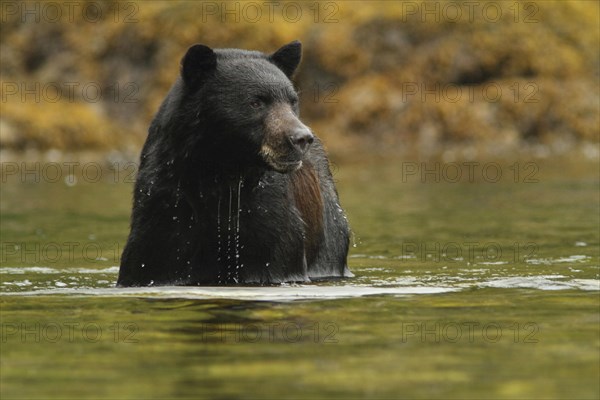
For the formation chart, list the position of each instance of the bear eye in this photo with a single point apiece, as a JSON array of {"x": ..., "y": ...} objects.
[{"x": 256, "y": 103}]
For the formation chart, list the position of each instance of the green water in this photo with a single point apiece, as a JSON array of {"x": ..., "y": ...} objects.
[{"x": 470, "y": 289}]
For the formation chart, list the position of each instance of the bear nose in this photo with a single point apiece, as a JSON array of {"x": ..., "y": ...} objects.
[{"x": 301, "y": 138}]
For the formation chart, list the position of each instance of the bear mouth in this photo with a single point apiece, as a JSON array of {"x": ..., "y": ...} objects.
[
  {"x": 285, "y": 166},
  {"x": 277, "y": 163}
]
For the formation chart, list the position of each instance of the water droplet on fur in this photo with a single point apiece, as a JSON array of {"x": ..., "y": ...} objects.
[
  {"x": 237, "y": 230},
  {"x": 228, "y": 249},
  {"x": 143, "y": 265},
  {"x": 219, "y": 230}
]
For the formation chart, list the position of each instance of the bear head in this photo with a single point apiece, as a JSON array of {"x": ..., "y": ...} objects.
[{"x": 244, "y": 107}]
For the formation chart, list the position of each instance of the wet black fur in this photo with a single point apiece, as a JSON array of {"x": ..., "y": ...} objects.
[{"x": 201, "y": 157}]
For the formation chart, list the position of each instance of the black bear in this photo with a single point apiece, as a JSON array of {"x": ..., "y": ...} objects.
[{"x": 232, "y": 187}]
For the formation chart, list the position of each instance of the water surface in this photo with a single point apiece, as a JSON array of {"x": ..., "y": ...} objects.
[{"x": 478, "y": 287}]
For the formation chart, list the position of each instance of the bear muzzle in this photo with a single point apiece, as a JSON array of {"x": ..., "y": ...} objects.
[{"x": 286, "y": 140}]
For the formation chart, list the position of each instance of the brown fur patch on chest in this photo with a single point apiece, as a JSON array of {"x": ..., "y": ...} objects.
[{"x": 307, "y": 196}]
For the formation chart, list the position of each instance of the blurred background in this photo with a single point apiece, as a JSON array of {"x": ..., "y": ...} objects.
[
  {"x": 464, "y": 138},
  {"x": 389, "y": 76}
]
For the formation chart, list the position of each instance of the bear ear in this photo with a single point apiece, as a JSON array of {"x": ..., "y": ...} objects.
[
  {"x": 288, "y": 57},
  {"x": 198, "y": 60}
]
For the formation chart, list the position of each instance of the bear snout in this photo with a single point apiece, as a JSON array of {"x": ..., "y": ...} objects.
[
  {"x": 301, "y": 138},
  {"x": 286, "y": 139}
]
